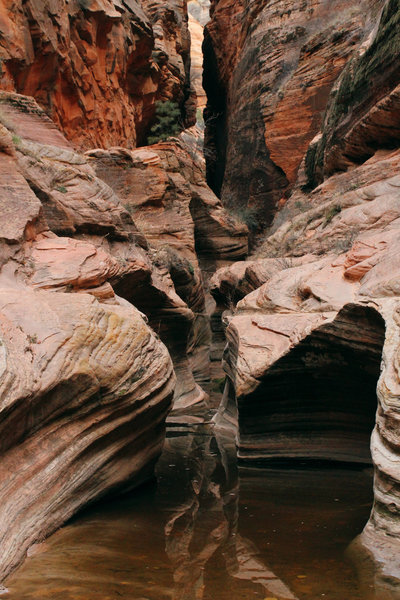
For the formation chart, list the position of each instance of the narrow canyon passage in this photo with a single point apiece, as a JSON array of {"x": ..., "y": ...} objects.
[
  {"x": 207, "y": 530},
  {"x": 200, "y": 300}
]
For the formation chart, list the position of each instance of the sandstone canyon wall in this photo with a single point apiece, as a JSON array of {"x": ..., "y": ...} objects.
[
  {"x": 269, "y": 68},
  {"x": 198, "y": 17},
  {"x": 99, "y": 254},
  {"x": 85, "y": 383},
  {"x": 106, "y": 250},
  {"x": 313, "y": 342},
  {"x": 98, "y": 66}
]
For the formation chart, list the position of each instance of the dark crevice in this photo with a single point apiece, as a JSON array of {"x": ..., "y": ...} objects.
[{"x": 318, "y": 402}]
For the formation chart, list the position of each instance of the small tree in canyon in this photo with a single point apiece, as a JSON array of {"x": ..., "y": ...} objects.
[{"x": 167, "y": 122}]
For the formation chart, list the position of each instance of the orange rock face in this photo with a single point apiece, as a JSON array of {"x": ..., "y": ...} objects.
[
  {"x": 270, "y": 69},
  {"x": 97, "y": 66},
  {"x": 314, "y": 339}
]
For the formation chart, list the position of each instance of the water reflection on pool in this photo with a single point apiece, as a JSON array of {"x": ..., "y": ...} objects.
[{"x": 205, "y": 533}]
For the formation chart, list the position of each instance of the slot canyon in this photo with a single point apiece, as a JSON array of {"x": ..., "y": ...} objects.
[{"x": 200, "y": 299}]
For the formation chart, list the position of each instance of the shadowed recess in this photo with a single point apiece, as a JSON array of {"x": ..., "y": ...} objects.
[{"x": 319, "y": 401}]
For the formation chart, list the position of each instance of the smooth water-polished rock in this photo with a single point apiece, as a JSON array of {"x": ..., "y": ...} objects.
[
  {"x": 208, "y": 530},
  {"x": 109, "y": 255},
  {"x": 85, "y": 384},
  {"x": 85, "y": 389},
  {"x": 163, "y": 188},
  {"x": 313, "y": 348},
  {"x": 376, "y": 559}
]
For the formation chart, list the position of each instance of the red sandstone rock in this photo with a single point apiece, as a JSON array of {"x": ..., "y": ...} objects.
[
  {"x": 162, "y": 187},
  {"x": 85, "y": 384},
  {"x": 97, "y": 67},
  {"x": 99, "y": 385},
  {"x": 312, "y": 355},
  {"x": 98, "y": 379},
  {"x": 269, "y": 71},
  {"x": 196, "y": 54}
]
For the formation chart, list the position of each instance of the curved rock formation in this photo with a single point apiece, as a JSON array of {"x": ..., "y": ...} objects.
[
  {"x": 85, "y": 384},
  {"x": 71, "y": 356},
  {"x": 163, "y": 188},
  {"x": 98, "y": 66},
  {"x": 312, "y": 354}
]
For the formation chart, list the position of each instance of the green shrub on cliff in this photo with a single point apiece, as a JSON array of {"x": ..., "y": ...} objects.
[{"x": 167, "y": 122}]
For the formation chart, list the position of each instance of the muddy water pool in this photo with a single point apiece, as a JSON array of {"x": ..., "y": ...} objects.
[{"x": 206, "y": 530}]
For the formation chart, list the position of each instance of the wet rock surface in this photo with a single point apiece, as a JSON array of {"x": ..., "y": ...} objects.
[
  {"x": 85, "y": 384},
  {"x": 316, "y": 305},
  {"x": 209, "y": 530},
  {"x": 85, "y": 380},
  {"x": 114, "y": 251}
]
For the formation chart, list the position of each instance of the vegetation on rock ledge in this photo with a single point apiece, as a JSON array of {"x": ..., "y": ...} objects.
[{"x": 167, "y": 122}]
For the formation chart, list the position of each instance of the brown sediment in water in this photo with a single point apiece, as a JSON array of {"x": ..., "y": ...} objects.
[{"x": 206, "y": 531}]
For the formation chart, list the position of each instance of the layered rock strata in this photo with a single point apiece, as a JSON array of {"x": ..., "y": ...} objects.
[
  {"x": 85, "y": 383},
  {"x": 98, "y": 66},
  {"x": 85, "y": 389},
  {"x": 312, "y": 353},
  {"x": 163, "y": 188},
  {"x": 270, "y": 67}
]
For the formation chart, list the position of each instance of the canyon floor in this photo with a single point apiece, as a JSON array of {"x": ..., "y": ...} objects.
[{"x": 208, "y": 529}]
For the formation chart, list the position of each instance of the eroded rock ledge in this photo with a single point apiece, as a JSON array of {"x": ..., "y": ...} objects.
[
  {"x": 85, "y": 382},
  {"x": 312, "y": 318}
]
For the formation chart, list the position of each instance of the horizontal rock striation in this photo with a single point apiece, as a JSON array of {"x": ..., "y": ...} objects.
[
  {"x": 313, "y": 341},
  {"x": 86, "y": 298},
  {"x": 317, "y": 400},
  {"x": 98, "y": 66}
]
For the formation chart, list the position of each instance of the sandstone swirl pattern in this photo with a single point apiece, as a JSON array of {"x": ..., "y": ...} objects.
[
  {"x": 85, "y": 389},
  {"x": 313, "y": 343},
  {"x": 85, "y": 382}
]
